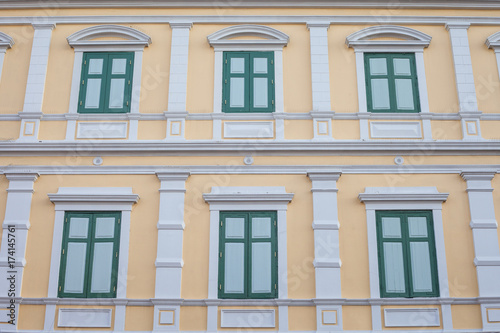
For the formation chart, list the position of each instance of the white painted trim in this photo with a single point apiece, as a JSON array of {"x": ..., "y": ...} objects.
[
  {"x": 243, "y": 318},
  {"x": 91, "y": 199},
  {"x": 267, "y": 37},
  {"x": 6, "y": 42},
  {"x": 404, "y": 198},
  {"x": 102, "y": 130},
  {"x": 131, "y": 36},
  {"x": 177, "y": 88},
  {"x": 395, "y": 130},
  {"x": 84, "y": 318},
  {"x": 320, "y": 69},
  {"x": 416, "y": 317},
  {"x": 406, "y": 37},
  {"x": 248, "y": 130}
]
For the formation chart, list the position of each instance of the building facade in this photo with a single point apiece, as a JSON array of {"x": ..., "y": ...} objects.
[{"x": 262, "y": 165}]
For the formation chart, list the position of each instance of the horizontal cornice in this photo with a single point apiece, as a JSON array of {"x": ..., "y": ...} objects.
[
  {"x": 427, "y": 4},
  {"x": 251, "y": 169},
  {"x": 244, "y": 147},
  {"x": 252, "y": 19}
]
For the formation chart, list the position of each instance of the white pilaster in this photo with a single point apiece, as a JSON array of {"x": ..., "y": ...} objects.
[
  {"x": 169, "y": 254},
  {"x": 320, "y": 69},
  {"x": 15, "y": 234},
  {"x": 178, "y": 66},
  {"x": 464, "y": 78},
  {"x": 326, "y": 234},
  {"x": 484, "y": 232},
  {"x": 35, "y": 85}
]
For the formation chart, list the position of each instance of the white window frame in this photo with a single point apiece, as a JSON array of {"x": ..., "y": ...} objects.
[
  {"x": 269, "y": 39},
  {"x": 250, "y": 198},
  {"x": 406, "y": 40},
  {"x": 82, "y": 41},
  {"x": 92, "y": 199},
  {"x": 6, "y": 42},
  {"x": 404, "y": 198},
  {"x": 493, "y": 42}
]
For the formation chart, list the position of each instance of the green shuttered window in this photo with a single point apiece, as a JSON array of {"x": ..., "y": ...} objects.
[
  {"x": 391, "y": 82},
  {"x": 407, "y": 254},
  {"x": 89, "y": 255},
  {"x": 248, "y": 82},
  {"x": 106, "y": 84},
  {"x": 248, "y": 255}
]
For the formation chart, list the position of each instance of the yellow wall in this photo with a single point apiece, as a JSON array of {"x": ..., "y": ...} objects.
[
  {"x": 9, "y": 130},
  {"x": 52, "y": 130},
  {"x": 356, "y": 318},
  {"x": 446, "y": 130},
  {"x": 36, "y": 315},
  {"x": 302, "y": 318},
  {"x": 490, "y": 130},
  {"x": 485, "y": 68},
  {"x": 15, "y": 68},
  {"x": 139, "y": 318},
  {"x": 188, "y": 313},
  {"x": 466, "y": 317}
]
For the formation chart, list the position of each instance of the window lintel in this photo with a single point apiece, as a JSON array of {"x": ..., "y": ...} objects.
[
  {"x": 130, "y": 37},
  {"x": 402, "y": 37}
]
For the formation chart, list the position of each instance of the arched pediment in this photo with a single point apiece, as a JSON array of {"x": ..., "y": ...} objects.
[
  {"x": 127, "y": 35},
  {"x": 263, "y": 36},
  {"x": 392, "y": 35},
  {"x": 5, "y": 41},
  {"x": 493, "y": 42}
]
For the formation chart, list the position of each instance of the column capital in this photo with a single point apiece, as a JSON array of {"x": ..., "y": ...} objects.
[
  {"x": 486, "y": 175},
  {"x": 457, "y": 25},
  {"x": 43, "y": 26},
  {"x": 175, "y": 175},
  {"x": 21, "y": 176},
  {"x": 325, "y": 25},
  {"x": 181, "y": 25},
  {"x": 332, "y": 175}
]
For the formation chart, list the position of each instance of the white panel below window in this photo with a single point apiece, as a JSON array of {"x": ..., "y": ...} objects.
[
  {"x": 247, "y": 318},
  {"x": 493, "y": 315},
  {"x": 411, "y": 317},
  {"x": 101, "y": 130},
  {"x": 84, "y": 318},
  {"x": 395, "y": 130},
  {"x": 249, "y": 130}
]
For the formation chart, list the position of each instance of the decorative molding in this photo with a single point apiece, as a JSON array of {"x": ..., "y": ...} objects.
[
  {"x": 249, "y": 130},
  {"x": 267, "y": 37},
  {"x": 84, "y": 318},
  {"x": 395, "y": 129},
  {"x": 248, "y": 195},
  {"x": 417, "y": 317},
  {"x": 89, "y": 195},
  {"x": 6, "y": 42},
  {"x": 101, "y": 130},
  {"x": 406, "y": 37},
  {"x": 398, "y": 194},
  {"x": 242, "y": 318},
  {"x": 131, "y": 37}
]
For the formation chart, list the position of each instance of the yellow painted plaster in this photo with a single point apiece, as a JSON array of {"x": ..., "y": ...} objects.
[
  {"x": 187, "y": 316},
  {"x": 302, "y": 318},
  {"x": 199, "y": 130},
  {"x": 57, "y": 328},
  {"x": 417, "y": 320},
  {"x": 230, "y": 162},
  {"x": 139, "y": 318},
  {"x": 446, "y": 130},
  {"x": 490, "y": 130},
  {"x": 9, "y": 130},
  {"x": 485, "y": 69},
  {"x": 299, "y": 129},
  {"x": 356, "y": 318},
  {"x": 15, "y": 68},
  {"x": 152, "y": 130},
  {"x": 142, "y": 255},
  {"x": 466, "y": 317},
  {"x": 52, "y": 130},
  {"x": 299, "y": 219},
  {"x": 31, "y": 317},
  {"x": 353, "y": 234},
  {"x": 345, "y": 129},
  {"x": 276, "y": 319}
]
